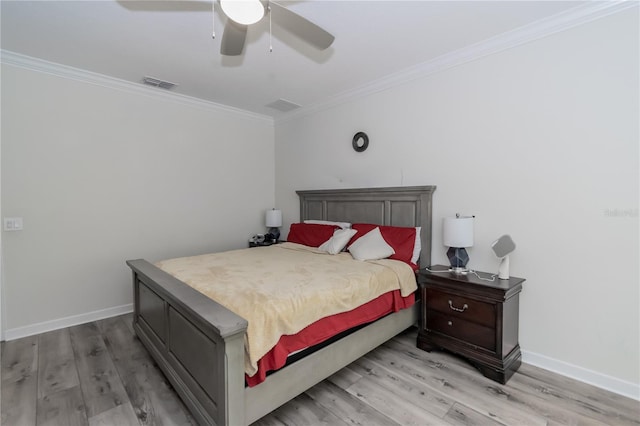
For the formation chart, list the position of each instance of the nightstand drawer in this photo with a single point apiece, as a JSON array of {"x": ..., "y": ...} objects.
[
  {"x": 461, "y": 307},
  {"x": 466, "y": 331}
]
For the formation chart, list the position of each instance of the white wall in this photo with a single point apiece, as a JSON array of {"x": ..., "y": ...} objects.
[
  {"x": 1, "y": 269},
  {"x": 101, "y": 175},
  {"x": 539, "y": 141}
]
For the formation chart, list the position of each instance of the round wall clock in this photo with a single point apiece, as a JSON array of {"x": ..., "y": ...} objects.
[{"x": 360, "y": 141}]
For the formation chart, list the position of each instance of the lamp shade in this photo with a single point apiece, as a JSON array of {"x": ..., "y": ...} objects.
[
  {"x": 458, "y": 231},
  {"x": 274, "y": 218}
]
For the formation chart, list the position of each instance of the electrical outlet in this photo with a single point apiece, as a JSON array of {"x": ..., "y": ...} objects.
[{"x": 13, "y": 224}]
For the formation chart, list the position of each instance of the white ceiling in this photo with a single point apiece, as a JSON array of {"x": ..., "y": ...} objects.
[{"x": 171, "y": 40}]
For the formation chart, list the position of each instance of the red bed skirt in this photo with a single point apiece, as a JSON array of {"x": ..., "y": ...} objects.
[{"x": 325, "y": 328}]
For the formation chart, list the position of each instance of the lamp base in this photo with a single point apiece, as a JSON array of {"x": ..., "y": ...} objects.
[
  {"x": 458, "y": 258},
  {"x": 275, "y": 232}
]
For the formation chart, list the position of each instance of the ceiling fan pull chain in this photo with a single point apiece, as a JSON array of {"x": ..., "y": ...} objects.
[
  {"x": 270, "y": 43},
  {"x": 213, "y": 20}
]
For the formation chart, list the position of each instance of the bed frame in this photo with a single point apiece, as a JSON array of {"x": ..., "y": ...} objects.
[{"x": 199, "y": 344}]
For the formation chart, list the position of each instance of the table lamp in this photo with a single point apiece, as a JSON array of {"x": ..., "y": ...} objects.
[
  {"x": 457, "y": 234},
  {"x": 273, "y": 222},
  {"x": 502, "y": 247}
]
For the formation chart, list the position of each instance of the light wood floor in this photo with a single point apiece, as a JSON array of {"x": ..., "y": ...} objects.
[{"x": 99, "y": 374}]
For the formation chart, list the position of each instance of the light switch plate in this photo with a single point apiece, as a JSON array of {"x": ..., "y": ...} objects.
[{"x": 13, "y": 224}]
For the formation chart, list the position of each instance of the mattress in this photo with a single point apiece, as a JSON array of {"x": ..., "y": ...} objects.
[{"x": 285, "y": 288}]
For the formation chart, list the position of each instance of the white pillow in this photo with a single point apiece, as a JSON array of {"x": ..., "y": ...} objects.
[
  {"x": 417, "y": 247},
  {"x": 371, "y": 246},
  {"x": 343, "y": 225},
  {"x": 335, "y": 244}
]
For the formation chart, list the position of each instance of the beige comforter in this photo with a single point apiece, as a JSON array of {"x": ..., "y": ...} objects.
[{"x": 283, "y": 288}]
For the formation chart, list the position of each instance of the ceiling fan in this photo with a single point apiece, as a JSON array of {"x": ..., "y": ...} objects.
[{"x": 243, "y": 13}]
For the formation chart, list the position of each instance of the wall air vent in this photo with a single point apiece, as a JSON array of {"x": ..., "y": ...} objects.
[
  {"x": 156, "y": 82},
  {"x": 283, "y": 105}
]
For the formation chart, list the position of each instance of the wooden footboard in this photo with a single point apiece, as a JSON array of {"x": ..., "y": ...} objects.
[{"x": 198, "y": 344}]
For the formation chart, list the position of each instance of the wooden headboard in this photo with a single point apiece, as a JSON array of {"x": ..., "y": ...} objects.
[{"x": 398, "y": 206}]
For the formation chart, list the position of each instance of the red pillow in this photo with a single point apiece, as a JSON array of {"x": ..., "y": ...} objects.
[
  {"x": 310, "y": 234},
  {"x": 400, "y": 238}
]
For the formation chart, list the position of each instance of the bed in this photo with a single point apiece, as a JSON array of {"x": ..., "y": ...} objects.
[{"x": 199, "y": 344}]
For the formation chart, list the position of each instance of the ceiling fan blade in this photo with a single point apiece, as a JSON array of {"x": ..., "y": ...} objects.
[
  {"x": 301, "y": 27},
  {"x": 166, "y": 5},
  {"x": 233, "y": 38}
]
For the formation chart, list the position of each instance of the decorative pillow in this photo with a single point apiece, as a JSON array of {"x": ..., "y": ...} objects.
[
  {"x": 417, "y": 247},
  {"x": 338, "y": 242},
  {"x": 310, "y": 234},
  {"x": 343, "y": 225},
  {"x": 405, "y": 241},
  {"x": 371, "y": 246}
]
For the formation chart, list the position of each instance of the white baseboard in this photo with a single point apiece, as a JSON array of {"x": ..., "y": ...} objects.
[
  {"x": 613, "y": 384},
  {"x": 42, "y": 327}
]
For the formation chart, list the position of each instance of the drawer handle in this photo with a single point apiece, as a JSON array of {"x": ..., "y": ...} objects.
[{"x": 464, "y": 307}]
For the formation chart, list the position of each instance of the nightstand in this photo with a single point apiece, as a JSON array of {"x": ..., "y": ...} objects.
[{"x": 474, "y": 318}]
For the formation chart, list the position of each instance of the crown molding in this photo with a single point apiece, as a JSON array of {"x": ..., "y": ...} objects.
[
  {"x": 534, "y": 31},
  {"x": 40, "y": 65},
  {"x": 542, "y": 28}
]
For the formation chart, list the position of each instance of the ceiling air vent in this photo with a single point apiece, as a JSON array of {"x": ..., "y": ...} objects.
[
  {"x": 283, "y": 105},
  {"x": 156, "y": 82}
]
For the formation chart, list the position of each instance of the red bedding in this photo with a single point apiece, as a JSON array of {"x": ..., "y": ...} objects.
[{"x": 327, "y": 327}]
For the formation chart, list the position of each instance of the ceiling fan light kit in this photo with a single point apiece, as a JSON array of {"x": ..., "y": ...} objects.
[
  {"x": 245, "y": 12},
  {"x": 242, "y": 13}
]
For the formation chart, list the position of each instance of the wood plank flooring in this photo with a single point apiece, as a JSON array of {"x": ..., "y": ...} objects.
[{"x": 100, "y": 374}]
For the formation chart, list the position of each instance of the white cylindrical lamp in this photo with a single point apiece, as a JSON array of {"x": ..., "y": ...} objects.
[
  {"x": 273, "y": 220},
  {"x": 457, "y": 234}
]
